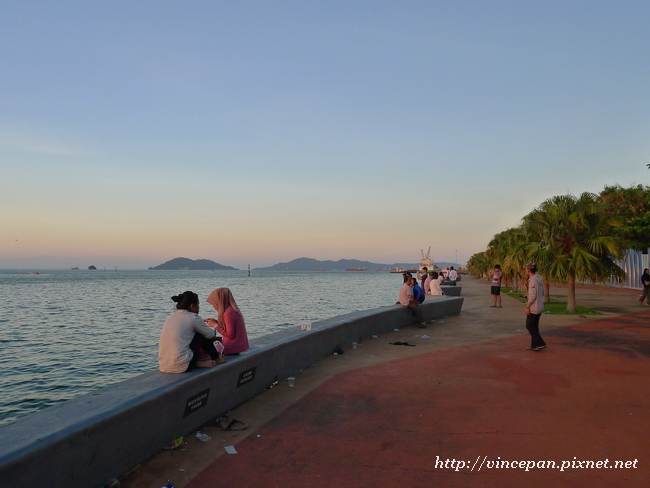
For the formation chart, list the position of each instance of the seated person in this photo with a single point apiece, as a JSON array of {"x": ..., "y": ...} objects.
[
  {"x": 435, "y": 284},
  {"x": 407, "y": 299},
  {"x": 441, "y": 278},
  {"x": 229, "y": 322},
  {"x": 418, "y": 293},
  {"x": 183, "y": 336}
]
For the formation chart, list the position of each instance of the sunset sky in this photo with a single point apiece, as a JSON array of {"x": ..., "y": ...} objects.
[{"x": 256, "y": 132}]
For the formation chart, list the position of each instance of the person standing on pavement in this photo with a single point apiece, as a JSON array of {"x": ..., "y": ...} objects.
[
  {"x": 496, "y": 275},
  {"x": 453, "y": 276},
  {"x": 534, "y": 307},
  {"x": 422, "y": 277},
  {"x": 427, "y": 284},
  {"x": 645, "y": 287}
]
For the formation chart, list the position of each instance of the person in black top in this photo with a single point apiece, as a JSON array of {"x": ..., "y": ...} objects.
[{"x": 645, "y": 287}]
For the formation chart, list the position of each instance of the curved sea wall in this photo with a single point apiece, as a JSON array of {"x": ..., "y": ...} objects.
[{"x": 100, "y": 435}]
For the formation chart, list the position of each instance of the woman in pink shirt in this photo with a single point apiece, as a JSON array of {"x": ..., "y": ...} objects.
[{"x": 230, "y": 322}]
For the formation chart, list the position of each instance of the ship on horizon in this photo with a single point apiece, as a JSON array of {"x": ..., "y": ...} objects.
[{"x": 426, "y": 262}]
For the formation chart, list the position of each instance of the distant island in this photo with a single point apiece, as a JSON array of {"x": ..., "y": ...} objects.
[
  {"x": 309, "y": 264},
  {"x": 306, "y": 264},
  {"x": 192, "y": 264},
  {"x": 300, "y": 264}
]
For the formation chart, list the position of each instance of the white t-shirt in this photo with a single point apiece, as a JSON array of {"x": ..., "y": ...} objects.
[
  {"x": 404, "y": 293},
  {"x": 174, "y": 353},
  {"x": 435, "y": 288}
]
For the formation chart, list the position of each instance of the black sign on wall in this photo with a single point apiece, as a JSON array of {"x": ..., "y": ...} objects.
[
  {"x": 196, "y": 401},
  {"x": 246, "y": 376}
]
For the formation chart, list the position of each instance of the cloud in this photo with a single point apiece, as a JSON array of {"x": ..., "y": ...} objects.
[{"x": 33, "y": 142}]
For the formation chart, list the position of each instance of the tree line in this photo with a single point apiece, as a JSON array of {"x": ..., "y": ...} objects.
[{"x": 572, "y": 239}]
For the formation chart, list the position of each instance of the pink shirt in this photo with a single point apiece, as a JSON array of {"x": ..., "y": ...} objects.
[
  {"x": 235, "y": 339},
  {"x": 427, "y": 285}
]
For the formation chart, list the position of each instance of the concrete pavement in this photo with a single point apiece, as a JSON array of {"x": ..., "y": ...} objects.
[{"x": 467, "y": 396}]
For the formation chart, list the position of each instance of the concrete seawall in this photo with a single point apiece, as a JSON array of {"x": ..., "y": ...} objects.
[{"x": 99, "y": 435}]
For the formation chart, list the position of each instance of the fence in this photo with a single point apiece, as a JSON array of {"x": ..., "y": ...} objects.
[{"x": 633, "y": 263}]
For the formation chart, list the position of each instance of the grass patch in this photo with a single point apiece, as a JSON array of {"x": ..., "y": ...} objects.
[{"x": 554, "y": 307}]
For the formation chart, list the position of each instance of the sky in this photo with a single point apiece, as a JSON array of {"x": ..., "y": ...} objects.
[{"x": 257, "y": 132}]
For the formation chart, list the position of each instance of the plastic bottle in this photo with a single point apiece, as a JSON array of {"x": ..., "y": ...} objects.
[{"x": 203, "y": 437}]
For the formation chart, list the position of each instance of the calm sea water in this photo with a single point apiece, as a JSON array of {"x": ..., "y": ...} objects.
[{"x": 63, "y": 333}]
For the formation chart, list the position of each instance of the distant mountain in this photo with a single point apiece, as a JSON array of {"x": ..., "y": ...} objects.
[
  {"x": 306, "y": 264},
  {"x": 192, "y": 264},
  {"x": 302, "y": 264}
]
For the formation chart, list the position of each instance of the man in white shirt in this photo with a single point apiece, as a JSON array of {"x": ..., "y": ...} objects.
[{"x": 453, "y": 276}]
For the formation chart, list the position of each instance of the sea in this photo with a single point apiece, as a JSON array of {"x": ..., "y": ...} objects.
[{"x": 68, "y": 332}]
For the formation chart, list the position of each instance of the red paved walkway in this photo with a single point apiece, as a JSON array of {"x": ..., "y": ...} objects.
[{"x": 585, "y": 398}]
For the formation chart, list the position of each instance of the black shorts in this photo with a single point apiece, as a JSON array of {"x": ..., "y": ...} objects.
[{"x": 495, "y": 290}]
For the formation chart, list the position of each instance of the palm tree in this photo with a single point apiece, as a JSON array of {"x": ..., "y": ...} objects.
[
  {"x": 535, "y": 247},
  {"x": 574, "y": 239},
  {"x": 478, "y": 265},
  {"x": 508, "y": 248}
]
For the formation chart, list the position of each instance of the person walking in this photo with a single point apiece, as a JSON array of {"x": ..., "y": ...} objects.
[
  {"x": 645, "y": 287},
  {"x": 534, "y": 307}
]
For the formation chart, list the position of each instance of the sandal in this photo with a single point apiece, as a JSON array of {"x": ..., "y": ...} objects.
[
  {"x": 236, "y": 425},
  {"x": 232, "y": 425},
  {"x": 222, "y": 421}
]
